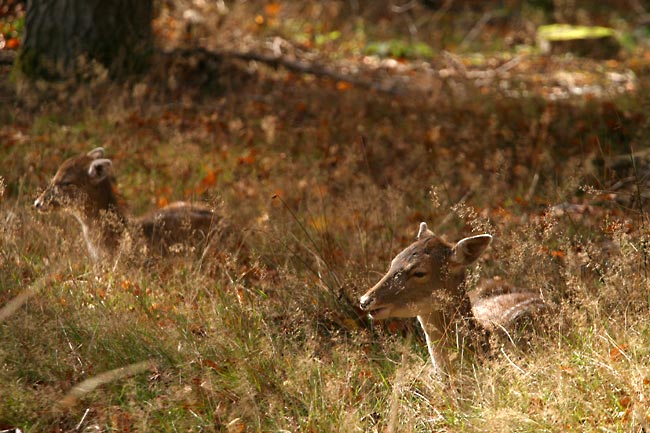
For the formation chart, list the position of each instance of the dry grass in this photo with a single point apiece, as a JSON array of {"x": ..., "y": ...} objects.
[{"x": 325, "y": 184}]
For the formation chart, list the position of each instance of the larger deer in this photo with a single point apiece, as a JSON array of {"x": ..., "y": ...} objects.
[
  {"x": 83, "y": 187},
  {"x": 427, "y": 280}
]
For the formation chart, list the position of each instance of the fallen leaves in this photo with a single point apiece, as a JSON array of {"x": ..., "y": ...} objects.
[
  {"x": 343, "y": 86},
  {"x": 248, "y": 158},
  {"x": 208, "y": 181},
  {"x": 618, "y": 352},
  {"x": 213, "y": 365},
  {"x": 272, "y": 9}
]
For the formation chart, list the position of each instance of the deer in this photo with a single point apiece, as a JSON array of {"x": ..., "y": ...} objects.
[
  {"x": 427, "y": 280},
  {"x": 84, "y": 187}
]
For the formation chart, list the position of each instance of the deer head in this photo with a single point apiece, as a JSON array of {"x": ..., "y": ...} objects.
[
  {"x": 426, "y": 280},
  {"x": 426, "y": 276},
  {"x": 81, "y": 184}
]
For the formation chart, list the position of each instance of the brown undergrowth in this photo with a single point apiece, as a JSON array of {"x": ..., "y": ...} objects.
[{"x": 324, "y": 182}]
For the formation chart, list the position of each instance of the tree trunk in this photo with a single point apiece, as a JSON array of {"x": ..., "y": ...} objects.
[{"x": 63, "y": 35}]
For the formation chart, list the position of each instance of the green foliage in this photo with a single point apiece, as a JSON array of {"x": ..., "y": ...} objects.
[
  {"x": 564, "y": 32},
  {"x": 400, "y": 49},
  {"x": 12, "y": 27}
]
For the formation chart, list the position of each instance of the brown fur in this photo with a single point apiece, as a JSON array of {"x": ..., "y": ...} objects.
[{"x": 496, "y": 304}]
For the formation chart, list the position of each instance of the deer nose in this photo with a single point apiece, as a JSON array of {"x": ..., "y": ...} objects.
[
  {"x": 38, "y": 203},
  {"x": 365, "y": 302}
]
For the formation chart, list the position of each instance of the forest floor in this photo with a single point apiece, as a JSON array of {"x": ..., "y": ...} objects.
[{"x": 325, "y": 177}]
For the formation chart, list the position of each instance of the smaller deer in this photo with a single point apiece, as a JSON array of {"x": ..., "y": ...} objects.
[
  {"x": 427, "y": 280},
  {"x": 84, "y": 188}
]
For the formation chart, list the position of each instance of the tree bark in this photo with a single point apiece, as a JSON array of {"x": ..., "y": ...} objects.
[{"x": 63, "y": 35}]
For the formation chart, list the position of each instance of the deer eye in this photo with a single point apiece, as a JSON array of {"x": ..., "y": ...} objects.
[{"x": 419, "y": 274}]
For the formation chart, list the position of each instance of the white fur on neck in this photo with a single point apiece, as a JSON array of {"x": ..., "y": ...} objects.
[
  {"x": 435, "y": 338},
  {"x": 92, "y": 248}
]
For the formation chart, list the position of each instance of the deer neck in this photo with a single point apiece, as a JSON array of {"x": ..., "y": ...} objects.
[
  {"x": 433, "y": 325},
  {"x": 459, "y": 306},
  {"x": 102, "y": 221},
  {"x": 439, "y": 323}
]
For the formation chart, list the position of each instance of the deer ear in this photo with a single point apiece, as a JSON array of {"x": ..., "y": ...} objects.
[
  {"x": 99, "y": 169},
  {"x": 424, "y": 231},
  {"x": 97, "y": 152},
  {"x": 468, "y": 250}
]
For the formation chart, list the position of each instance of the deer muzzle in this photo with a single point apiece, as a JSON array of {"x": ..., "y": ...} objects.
[
  {"x": 368, "y": 303},
  {"x": 45, "y": 201}
]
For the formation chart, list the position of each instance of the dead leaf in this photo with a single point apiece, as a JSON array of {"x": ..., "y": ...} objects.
[
  {"x": 210, "y": 179},
  {"x": 625, "y": 401},
  {"x": 618, "y": 352},
  {"x": 248, "y": 159},
  {"x": 343, "y": 85},
  {"x": 394, "y": 326},
  {"x": 12, "y": 44},
  {"x": 237, "y": 425},
  {"x": 213, "y": 365},
  {"x": 365, "y": 374},
  {"x": 272, "y": 9}
]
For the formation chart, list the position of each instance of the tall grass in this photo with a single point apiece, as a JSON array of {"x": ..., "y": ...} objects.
[{"x": 268, "y": 337}]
